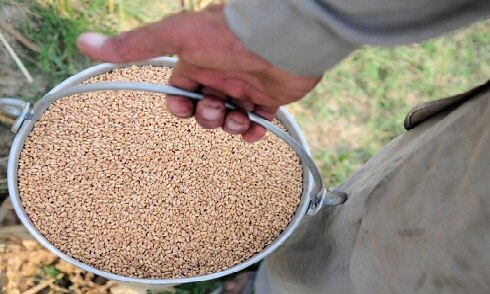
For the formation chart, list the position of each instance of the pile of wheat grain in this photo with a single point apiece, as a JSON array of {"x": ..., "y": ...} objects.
[{"x": 115, "y": 181}]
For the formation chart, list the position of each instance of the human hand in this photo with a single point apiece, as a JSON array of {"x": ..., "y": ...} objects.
[{"x": 211, "y": 60}]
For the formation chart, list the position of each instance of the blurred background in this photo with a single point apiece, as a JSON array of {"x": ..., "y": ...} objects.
[{"x": 357, "y": 108}]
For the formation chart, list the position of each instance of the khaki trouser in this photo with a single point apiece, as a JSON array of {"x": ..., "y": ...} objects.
[{"x": 418, "y": 217}]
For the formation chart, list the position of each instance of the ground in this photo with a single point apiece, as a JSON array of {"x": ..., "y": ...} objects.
[{"x": 357, "y": 108}]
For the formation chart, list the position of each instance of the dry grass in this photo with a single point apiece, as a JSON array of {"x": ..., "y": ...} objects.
[{"x": 26, "y": 267}]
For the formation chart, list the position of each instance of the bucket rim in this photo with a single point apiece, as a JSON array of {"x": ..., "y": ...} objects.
[{"x": 40, "y": 106}]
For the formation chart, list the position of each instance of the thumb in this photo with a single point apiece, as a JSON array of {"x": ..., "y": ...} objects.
[{"x": 153, "y": 40}]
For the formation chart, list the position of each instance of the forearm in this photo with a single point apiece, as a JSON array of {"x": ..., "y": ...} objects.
[{"x": 309, "y": 36}]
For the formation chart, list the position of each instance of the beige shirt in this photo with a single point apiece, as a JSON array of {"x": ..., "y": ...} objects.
[
  {"x": 418, "y": 217},
  {"x": 417, "y": 220},
  {"x": 307, "y": 37}
]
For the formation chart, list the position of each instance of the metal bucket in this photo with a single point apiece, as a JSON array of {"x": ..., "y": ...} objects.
[{"x": 314, "y": 196}]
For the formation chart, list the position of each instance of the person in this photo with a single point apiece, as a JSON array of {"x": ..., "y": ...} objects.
[{"x": 418, "y": 215}]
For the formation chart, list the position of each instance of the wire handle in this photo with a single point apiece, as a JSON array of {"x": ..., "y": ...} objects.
[
  {"x": 319, "y": 196},
  {"x": 16, "y": 109}
]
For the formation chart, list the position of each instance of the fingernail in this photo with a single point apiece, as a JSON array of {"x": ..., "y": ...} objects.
[
  {"x": 92, "y": 39},
  {"x": 183, "y": 114},
  {"x": 234, "y": 125},
  {"x": 210, "y": 113},
  {"x": 180, "y": 112}
]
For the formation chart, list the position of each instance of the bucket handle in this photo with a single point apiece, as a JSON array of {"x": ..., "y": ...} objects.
[
  {"x": 15, "y": 109},
  {"x": 319, "y": 195}
]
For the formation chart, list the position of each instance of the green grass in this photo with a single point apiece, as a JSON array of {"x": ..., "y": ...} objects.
[
  {"x": 357, "y": 108},
  {"x": 51, "y": 272},
  {"x": 360, "y": 105},
  {"x": 55, "y": 25},
  {"x": 54, "y": 30}
]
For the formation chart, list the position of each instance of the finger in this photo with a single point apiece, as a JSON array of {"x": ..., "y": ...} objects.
[
  {"x": 266, "y": 111},
  {"x": 254, "y": 133},
  {"x": 210, "y": 112},
  {"x": 149, "y": 41},
  {"x": 181, "y": 106},
  {"x": 236, "y": 122},
  {"x": 257, "y": 132},
  {"x": 245, "y": 96},
  {"x": 242, "y": 104},
  {"x": 212, "y": 92}
]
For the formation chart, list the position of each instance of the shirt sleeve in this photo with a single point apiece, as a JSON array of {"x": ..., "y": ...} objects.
[{"x": 307, "y": 37}]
